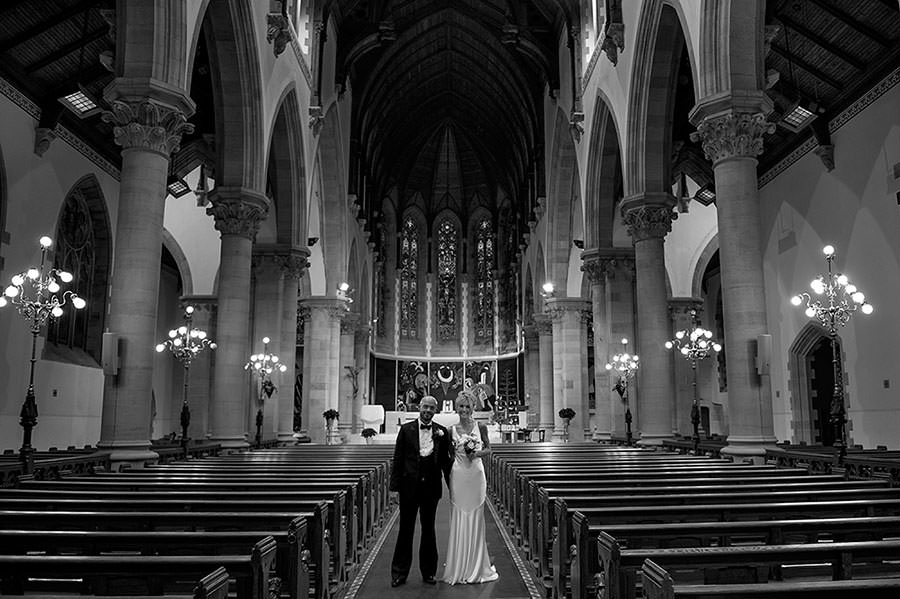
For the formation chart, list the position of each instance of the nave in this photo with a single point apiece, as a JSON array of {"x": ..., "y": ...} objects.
[{"x": 564, "y": 521}]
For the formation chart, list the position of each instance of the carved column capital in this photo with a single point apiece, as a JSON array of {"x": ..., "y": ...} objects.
[
  {"x": 682, "y": 308},
  {"x": 294, "y": 263},
  {"x": 649, "y": 221},
  {"x": 237, "y": 211},
  {"x": 542, "y": 324},
  {"x": 335, "y": 308},
  {"x": 558, "y": 307},
  {"x": 733, "y": 135},
  {"x": 349, "y": 323},
  {"x": 147, "y": 125},
  {"x": 278, "y": 32},
  {"x": 595, "y": 269}
]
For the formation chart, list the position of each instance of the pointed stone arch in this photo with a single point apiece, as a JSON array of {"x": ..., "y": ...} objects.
[
  {"x": 604, "y": 177},
  {"x": 800, "y": 381},
  {"x": 4, "y": 205},
  {"x": 184, "y": 267},
  {"x": 334, "y": 215},
  {"x": 83, "y": 246},
  {"x": 286, "y": 172},
  {"x": 658, "y": 45},
  {"x": 237, "y": 94},
  {"x": 731, "y": 47},
  {"x": 563, "y": 190}
]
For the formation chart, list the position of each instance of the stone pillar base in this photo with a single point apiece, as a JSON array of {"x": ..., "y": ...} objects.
[
  {"x": 287, "y": 437},
  {"x": 232, "y": 444},
  {"x": 131, "y": 458},
  {"x": 649, "y": 440},
  {"x": 742, "y": 449}
]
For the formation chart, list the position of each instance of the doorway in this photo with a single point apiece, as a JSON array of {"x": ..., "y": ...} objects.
[{"x": 812, "y": 386}]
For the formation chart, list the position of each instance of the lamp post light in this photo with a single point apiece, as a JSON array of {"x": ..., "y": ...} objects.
[
  {"x": 837, "y": 299},
  {"x": 625, "y": 365},
  {"x": 695, "y": 345},
  {"x": 263, "y": 366},
  {"x": 186, "y": 342},
  {"x": 37, "y": 298}
]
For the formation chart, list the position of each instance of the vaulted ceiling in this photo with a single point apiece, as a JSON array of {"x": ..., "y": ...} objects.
[{"x": 418, "y": 67}]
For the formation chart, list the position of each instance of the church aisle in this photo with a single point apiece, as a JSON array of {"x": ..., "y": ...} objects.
[{"x": 374, "y": 576}]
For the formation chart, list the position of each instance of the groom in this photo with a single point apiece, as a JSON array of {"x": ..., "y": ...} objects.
[{"x": 421, "y": 458}]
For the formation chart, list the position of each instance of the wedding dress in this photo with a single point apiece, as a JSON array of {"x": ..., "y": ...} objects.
[{"x": 467, "y": 553}]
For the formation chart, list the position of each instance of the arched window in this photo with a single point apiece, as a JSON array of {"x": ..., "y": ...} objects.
[
  {"x": 380, "y": 291},
  {"x": 82, "y": 248},
  {"x": 484, "y": 282},
  {"x": 409, "y": 275},
  {"x": 448, "y": 241}
]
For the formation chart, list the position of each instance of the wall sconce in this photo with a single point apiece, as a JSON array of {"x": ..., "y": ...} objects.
[
  {"x": 548, "y": 290},
  {"x": 311, "y": 241}
]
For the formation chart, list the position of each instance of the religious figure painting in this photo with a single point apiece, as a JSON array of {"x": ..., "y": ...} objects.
[
  {"x": 412, "y": 383},
  {"x": 481, "y": 380},
  {"x": 446, "y": 383}
]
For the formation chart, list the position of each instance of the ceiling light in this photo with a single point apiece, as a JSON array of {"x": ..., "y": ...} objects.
[
  {"x": 80, "y": 103},
  {"x": 798, "y": 117},
  {"x": 177, "y": 186},
  {"x": 705, "y": 195}
]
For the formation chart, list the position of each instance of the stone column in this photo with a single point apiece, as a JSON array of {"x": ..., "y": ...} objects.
[
  {"x": 268, "y": 281},
  {"x": 620, "y": 277},
  {"x": 293, "y": 265},
  {"x": 594, "y": 269},
  {"x": 238, "y": 213},
  {"x": 569, "y": 363},
  {"x": 545, "y": 398},
  {"x": 201, "y": 367},
  {"x": 683, "y": 311},
  {"x": 347, "y": 371},
  {"x": 148, "y": 130},
  {"x": 321, "y": 357},
  {"x": 361, "y": 341},
  {"x": 649, "y": 218},
  {"x": 532, "y": 361},
  {"x": 732, "y": 141}
]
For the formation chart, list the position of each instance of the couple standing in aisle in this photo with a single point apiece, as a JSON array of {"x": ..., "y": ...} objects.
[{"x": 425, "y": 453}]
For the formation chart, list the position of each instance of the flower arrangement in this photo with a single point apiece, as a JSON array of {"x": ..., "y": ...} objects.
[
  {"x": 470, "y": 445},
  {"x": 330, "y": 414},
  {"x": 368, "y": 433},
  {"x": 567, "y": 413}
]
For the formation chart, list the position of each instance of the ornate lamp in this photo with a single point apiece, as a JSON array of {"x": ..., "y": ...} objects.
[
  {"x": 263, "y": 366},
  {"x": 186, "y": 342},
  {"x": 625, "y": 365},
  {"x": 835, "y": 302},
  {"x": 694, "y": 345},
  {"x": 37, "y": 298}
]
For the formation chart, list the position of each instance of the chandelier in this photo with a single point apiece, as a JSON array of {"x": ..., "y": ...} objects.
[
  {"x": 695, "y": 345},
  {"x": 186, "y": 343},
  {"x": 835, "y": 299},
  {"x": 37, "y": 298},
  {"x": 263, "y": 366},
  {"x": 625, "y": 364}
]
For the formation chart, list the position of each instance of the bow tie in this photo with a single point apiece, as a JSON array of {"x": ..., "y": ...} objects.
[{"x": 425, "y": 427}]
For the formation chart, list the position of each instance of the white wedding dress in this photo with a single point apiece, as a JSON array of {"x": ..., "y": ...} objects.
[{"x": 467, "y": 553}]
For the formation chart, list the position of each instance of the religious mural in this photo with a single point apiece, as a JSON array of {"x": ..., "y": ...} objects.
[
  {"x": 446, "y": 383},
  {"x": 412, "y": 383},
  {"x": 481, "y": 380}
]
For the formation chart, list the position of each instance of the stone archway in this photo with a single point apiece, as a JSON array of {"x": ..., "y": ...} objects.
[{"x": 811, "y": 383}]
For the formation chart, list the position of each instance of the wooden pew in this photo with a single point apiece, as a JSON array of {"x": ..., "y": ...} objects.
[
  {"x": 658, "y": 584},
  {"x": 159, "y": 573},
  {"x": 619, "y": 568},
  {"x": 296, "y": 561},
  {"x": 318, "y": 544}
]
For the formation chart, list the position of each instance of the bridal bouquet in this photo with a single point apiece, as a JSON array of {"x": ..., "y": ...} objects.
[{"x": 471, "y": 443}]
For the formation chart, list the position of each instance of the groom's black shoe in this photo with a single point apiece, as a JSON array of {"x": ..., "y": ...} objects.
[
  {"x": 398, "y": 580},
  {"x": 429, "y": 580}
]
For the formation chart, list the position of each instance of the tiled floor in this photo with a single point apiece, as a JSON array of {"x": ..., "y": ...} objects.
[{"x": 374, "y": 577}]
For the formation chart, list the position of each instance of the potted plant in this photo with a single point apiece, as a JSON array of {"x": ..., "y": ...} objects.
[
  {"x": 330, "y": 415},
  {"x": 566, "y": 414},
  {"x": 369, "y": 434}
]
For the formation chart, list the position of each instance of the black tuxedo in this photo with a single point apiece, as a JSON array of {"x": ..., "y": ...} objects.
[{"x": 418, "y": 482}]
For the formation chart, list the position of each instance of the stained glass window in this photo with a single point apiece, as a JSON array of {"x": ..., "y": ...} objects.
[
  {"x": 448, "y": 236},
  {"x": 409, "y": 275},
  {"x": 484, "y": 282},
  {"x": 75, "y": 253}
]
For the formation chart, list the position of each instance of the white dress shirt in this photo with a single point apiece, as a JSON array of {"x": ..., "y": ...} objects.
[{"x": 426, "y": 441}]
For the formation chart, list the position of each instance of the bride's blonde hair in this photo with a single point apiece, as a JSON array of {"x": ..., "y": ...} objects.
[{"x": 468, "y": 397}]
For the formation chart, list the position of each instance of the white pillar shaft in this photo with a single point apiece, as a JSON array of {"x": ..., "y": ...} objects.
[{"x": 285, "y": 417}]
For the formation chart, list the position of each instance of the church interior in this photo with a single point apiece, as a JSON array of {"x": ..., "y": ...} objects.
[{"x": 244, "y": 239}]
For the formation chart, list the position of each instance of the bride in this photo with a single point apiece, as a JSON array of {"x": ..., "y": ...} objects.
[{"x": 467, "y": 553}]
